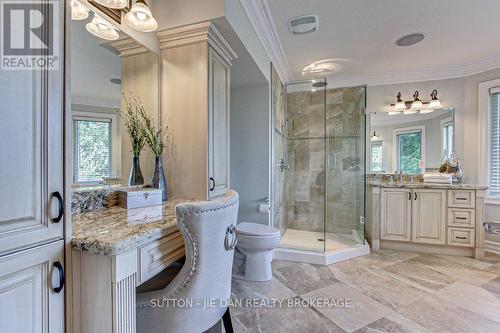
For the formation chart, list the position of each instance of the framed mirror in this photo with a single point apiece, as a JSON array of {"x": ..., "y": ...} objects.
[
  {"x": 410, "y": 143},
  {"x": 100, "y": 71}
]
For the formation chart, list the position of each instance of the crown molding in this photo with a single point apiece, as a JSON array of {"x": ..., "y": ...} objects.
[
  {"x": 129, "y": 46},
  {"x": 418, "y": 75},
  {"x": 197, "y": 33},
  {"x": 260, "y": 17}
]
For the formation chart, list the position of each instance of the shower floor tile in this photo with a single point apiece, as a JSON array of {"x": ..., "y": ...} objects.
[{"x": 310, "y": 240}]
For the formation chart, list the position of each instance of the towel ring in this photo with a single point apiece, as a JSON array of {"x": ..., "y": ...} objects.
[{"x": 231, "y": 239}]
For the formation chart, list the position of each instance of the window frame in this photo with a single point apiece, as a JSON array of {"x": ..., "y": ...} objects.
[
  {"x": 381, "y": 144},
  {"x": 115, "y": 140},
  {"x": 484, "y": 138},
  {"x": 395, "y": 144},
  {"x": 446, "y": 123}
]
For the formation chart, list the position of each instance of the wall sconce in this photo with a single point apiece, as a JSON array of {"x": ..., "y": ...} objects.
[
  {"x": 375, "y": 137},
  {"x": 416, "y": 105}
]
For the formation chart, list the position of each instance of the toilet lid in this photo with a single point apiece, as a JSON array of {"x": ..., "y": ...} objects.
[{"x": 256, "y": 229}]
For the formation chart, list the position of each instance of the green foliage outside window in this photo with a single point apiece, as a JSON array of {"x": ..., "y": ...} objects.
[{"x": 410, "y": 152}]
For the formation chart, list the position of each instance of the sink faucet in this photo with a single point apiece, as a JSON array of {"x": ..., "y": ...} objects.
[{"x": 401, "y": 175}]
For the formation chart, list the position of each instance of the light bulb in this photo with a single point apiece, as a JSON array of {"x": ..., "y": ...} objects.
[
  {"x": 140, "y": 17},
  {"x": 102, "y": 29}
]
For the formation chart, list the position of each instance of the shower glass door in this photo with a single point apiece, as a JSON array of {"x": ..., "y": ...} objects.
[
  {"x": 345, "y": 176},
  {"x": 305, "y": 162}
]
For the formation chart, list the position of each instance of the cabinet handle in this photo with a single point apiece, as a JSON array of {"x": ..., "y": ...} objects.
[
  {"x": 409, "y": 195},
  {"x": 460, "y": 218},
  {"x": 458, "y": 198},
  {"x": 60, "y": 269},
  {"x": 213, "y": 184},
  {"x": 59, "y": 216},
  {"x": 415, "y": 195},
  {"x": 461, "y": 237}
]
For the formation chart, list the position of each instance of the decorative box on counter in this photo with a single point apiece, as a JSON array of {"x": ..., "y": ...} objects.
[{"x": 139, "y": 197}]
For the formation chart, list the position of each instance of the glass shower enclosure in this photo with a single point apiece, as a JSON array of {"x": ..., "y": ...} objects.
[{"x": 319, "y": 166}]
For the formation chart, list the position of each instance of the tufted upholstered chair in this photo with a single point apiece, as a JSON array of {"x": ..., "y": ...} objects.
[{"x": 209, "y": 238}]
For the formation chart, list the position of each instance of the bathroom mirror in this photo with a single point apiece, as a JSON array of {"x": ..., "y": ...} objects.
[
  {"x": 100, "y": 70},
  {"x": 411, "y": 143}
]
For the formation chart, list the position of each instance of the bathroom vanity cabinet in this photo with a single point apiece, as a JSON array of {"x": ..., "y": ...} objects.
[
  {"x": 426, "y": 217},
  {"x": 196, "y": 61}
]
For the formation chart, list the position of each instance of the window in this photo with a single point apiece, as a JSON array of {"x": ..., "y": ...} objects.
[
  {"x": 92, "y": 148},
  {"x": 494, "y": 141},
  {"x": 447, "y": 137},
  {"x": 409, "y": 149},
  {"x": 376, "y": 156}
]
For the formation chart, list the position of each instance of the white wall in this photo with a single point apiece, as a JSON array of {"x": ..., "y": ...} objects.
[{"x": 250, "y": 149}]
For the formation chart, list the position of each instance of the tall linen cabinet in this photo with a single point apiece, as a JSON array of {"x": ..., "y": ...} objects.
[
  {"x": 195, "y": 86},
  {"x": 31, "y": 192}
]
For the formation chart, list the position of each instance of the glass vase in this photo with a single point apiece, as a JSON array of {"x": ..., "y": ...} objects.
[
  {"x": 158, "y": 179},
  {"x": 135, "y": 177}
]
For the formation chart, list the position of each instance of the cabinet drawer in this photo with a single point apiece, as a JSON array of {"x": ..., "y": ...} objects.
[
  {"x": 461, "y": 237},
  {"x": 462, "y": 199},
  {"x": 156, "y": 256},
  {"x": 459, "y": 217}
]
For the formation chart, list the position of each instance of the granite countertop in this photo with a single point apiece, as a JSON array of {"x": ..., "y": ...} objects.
[
  {"x": 422, "y": 185},
  {"x": 116, "y": 230}
]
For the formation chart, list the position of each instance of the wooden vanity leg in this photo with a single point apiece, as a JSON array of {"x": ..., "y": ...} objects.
[
  {"x": 124, "y": 281},
  {"x": 480, "y": 216}
]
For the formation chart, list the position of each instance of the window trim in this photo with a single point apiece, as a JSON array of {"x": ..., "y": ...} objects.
[
  {"x": 395, "y": 146},
  {"x": 445, "y": 123},
  {"x": 381, "y": 143},
  {"x": 484, "y": 134},
  {"x": 115, "y": 140}
]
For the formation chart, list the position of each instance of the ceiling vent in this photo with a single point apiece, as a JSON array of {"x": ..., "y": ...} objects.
[{"x": 302, "y": 25}]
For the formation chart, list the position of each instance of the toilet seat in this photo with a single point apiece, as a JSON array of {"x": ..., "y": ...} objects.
[{"x": 257, "y": 230}]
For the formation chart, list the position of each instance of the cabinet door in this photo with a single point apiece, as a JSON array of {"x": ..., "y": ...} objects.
[
  {"x": 28, "y": 302},
  {"x": 395, "y": 215},
  {"x": 429, "y": 216},
  {"x": 218, "y": 122},
  {"x": 31, "y": 153}
]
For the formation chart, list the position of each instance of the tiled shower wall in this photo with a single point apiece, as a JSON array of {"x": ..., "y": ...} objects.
[{"x": 326, "y": 159}]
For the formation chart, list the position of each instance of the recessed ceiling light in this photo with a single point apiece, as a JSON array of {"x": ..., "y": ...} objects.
[
  {"x": 410, "y": 39},
  {"x": 321, "y": 67},
  {"x": 302, "y": 25}
]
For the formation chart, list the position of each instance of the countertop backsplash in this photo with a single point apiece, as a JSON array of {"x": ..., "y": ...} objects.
[{"x": 94, "y": 198}]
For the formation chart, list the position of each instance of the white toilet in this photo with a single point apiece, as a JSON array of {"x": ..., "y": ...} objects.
[{"x": 256, "y": 242}]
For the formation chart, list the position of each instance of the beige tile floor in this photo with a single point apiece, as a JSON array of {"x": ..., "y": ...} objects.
[{"x": 388, "y": 291}]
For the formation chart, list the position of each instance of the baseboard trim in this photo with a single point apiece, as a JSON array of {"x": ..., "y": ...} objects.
[
  {"x": 492, "y": 246},
  {"x": 321, "y": 258},
  {"x": 428, "y": 248}
]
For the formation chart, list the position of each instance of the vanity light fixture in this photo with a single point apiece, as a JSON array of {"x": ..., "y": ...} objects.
[
  {"x": 416, "y": 105},
  {"x": 400, "y": 105},
  {"x": 78, "y": 11},
  {"x": 101, "y": 28},
  {"x": 115, "y": 4},
  {"x": 434, "y": 103},
  {"x": 140, "y": 17}
]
